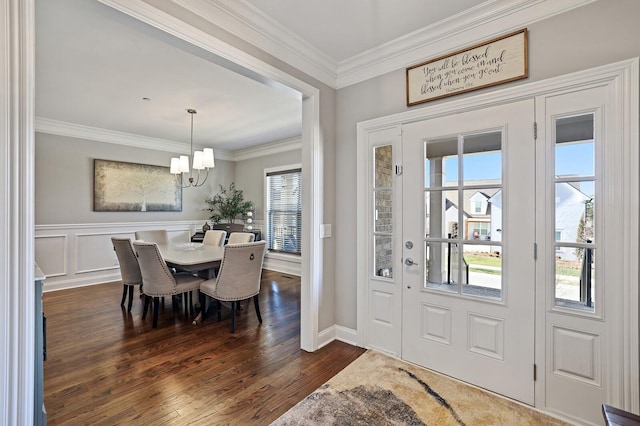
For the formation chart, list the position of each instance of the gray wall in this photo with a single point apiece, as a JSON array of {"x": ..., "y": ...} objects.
[
  {"x": 327, "y": 134},
  {"x": 597, "y": 34},
  {"x": 64, "y": 182},
  {"x": 249, "y": 176}
]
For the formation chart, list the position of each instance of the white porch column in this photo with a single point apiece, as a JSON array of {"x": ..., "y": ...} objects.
[{"x": 437, "y": 271}]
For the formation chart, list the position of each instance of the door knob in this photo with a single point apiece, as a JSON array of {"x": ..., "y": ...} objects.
[{"x": 409, "y": 262}]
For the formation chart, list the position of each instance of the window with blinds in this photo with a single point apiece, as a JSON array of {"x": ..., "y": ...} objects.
[{"x": 284, "y": 211}]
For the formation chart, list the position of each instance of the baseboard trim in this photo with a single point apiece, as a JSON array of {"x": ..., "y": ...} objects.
[
  {"x": 283, "y": 264},
  {"x": 64, "y": 284},
  {"x": 337, "y": 332}
]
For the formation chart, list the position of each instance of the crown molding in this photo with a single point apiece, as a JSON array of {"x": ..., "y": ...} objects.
[
  {"x": 72, "y": 130},
  {"x": 247, "y": 22},
  {"x": 482, "y": 22},
  {"x": 61, "y": 128},
  {"x": 268, "y": 149}
]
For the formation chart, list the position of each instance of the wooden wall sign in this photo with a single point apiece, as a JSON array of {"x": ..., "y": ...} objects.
[{"x": 486, "y": 64}]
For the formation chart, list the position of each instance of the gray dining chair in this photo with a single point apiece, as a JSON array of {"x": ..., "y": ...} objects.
[
  {"x": 214, "y": 237},
  {"x": 159, "y": 236},
  {"x": 241, "y": 237},
  {"x": 158, "y": 280},
  {"x": 238, "y": 279},
  {"x": 129, "y": 268}
]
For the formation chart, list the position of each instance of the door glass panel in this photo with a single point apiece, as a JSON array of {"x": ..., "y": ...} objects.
[
  {"x": 482, "y": 214},
  {"x": 575, "y": 279},
  {"x": 574, "y": 212},
  {"x": 468, "y": 210},
  {"x": 441, "y": 266},
  {"x": 383, "y": 256},
  {"x": 441, "y": 214},
  {"x": 482, "y": 272},
  {"x": 383, "y": 215},
  {"x": 482, "y": 160},
  {"x": 383, "y": 170},
  {"x": 441, "y": 163},
  {"x": 382, "y": 210},
  {"x": 575, "y": 146},
  {"x": 575, "y": 220}
]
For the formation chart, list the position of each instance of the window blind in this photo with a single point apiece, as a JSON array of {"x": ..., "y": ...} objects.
[{"x": 284, "y": 211}]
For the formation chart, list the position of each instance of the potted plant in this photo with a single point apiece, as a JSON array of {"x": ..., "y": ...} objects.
[{"x": 228, "y": 205}]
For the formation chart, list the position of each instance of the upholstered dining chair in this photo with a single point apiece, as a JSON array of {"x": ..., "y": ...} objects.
[
  {"x": 238, "y": 279},
  {"x": 159, "y": 236},
  {"x": 158, "y": 280},
  {"x": 129, "y": 268},
  {"x": 241, "y": 237},
  {"x": 214, "y": 237}
]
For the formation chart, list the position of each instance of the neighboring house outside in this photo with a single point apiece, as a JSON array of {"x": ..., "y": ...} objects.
[
  {"x": 477, "y": 221},
  {"x": 482, "y": 219},
  {"x": 570, "y": 208}
]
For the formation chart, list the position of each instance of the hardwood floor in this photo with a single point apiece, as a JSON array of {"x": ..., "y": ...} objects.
[{"x": 106, "y": 366}]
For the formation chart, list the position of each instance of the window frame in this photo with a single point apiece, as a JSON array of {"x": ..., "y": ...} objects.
[{"x": 266, "y": 229}]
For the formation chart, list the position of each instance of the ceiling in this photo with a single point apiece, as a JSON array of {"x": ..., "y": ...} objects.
[
  {"x": 100, "y": 68},
  {"x": 343, "y": 29}
]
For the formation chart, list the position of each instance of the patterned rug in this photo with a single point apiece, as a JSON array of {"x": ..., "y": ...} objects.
[{"x": 379, "y": 390}]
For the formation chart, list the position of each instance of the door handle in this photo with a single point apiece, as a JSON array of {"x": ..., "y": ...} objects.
[{"x": 409, "y": 262}]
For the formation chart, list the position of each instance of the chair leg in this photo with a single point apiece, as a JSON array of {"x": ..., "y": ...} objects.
[
  {"x": 130, "y": 298},
  {"x": 203, "y": 305},
  {"x": 255, "y": 303},
  {"x": 147, "y": 300},
  {"x": 124, "y": 294},
  {"x": 234, "y": 306},
  {"x": 219, "y": 309},
  {"x": 156, "y": 308}
]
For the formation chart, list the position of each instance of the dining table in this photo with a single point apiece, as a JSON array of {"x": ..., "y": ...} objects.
[{"x": 193, "y": 257}]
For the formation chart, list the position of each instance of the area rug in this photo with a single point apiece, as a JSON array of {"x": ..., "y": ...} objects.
[{"x": 379, "y": 390}]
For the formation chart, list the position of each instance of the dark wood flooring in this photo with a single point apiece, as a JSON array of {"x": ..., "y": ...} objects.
[{"x": 105, "y": 366}]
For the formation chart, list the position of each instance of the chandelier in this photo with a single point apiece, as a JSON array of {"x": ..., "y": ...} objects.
[{"x": 201, "y": 160}]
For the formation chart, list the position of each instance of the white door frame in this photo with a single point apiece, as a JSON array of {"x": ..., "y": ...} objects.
[
  {"x": 624, "y": 390},
  {"x": 17, "y": 106},
  {"x": 312, "y": 149},
  {"x": 17, "y": 287}
]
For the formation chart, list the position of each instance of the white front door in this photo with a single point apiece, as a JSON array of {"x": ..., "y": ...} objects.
[{"x": 468, "y": 234}]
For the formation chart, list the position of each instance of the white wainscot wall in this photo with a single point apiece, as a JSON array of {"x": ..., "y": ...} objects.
[{"x": 76, "y": 255}]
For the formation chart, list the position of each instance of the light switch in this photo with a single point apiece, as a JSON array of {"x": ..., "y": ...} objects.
[{"x": 325, "y": 230}]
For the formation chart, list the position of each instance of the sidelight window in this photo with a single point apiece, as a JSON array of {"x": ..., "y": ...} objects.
[{"x": 575, "y": 203}]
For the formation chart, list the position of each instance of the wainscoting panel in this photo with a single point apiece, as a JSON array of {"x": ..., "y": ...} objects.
[
  {"x": 76, "y": 255},
  {"x": 94, "y": 252},
  {"x": 51, "y": 254}
]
